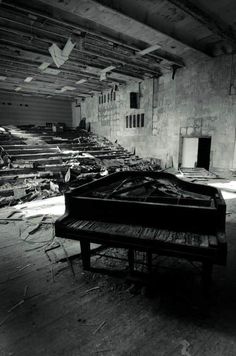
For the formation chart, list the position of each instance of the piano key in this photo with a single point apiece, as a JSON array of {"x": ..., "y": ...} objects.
[
  {"x": 204, "y": 241},
  {"x": 212, "y": 240},
  {"x": 180, "y": 237},
  {"x": 70, "y": 221},
  {"x": 189, "y": 239},
  {"x": 143, "y": 232},
  {"x": 72, "y": 224},
  {"x": 79, "y": 224},
  {"x": 152, "y": 233},
  {"x": 157, "y": 234}
]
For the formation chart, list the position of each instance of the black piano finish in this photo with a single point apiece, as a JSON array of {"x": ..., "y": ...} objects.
[
  {"x": 206, "y": 219},
  {"x": 194, "y": 216}
]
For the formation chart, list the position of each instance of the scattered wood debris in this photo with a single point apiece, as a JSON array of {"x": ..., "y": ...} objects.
[
  {"x": 99, "y": 327},
  {"x": 44, "y": 163}
]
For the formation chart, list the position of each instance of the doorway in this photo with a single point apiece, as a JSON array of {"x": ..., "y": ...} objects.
[
  {"x": 204, "y": 151},
  {"x": 196, "y": 152}
]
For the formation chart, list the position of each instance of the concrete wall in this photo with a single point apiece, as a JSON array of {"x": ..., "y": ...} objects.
[
  {"x": 200, "y": 101},
  {"x": 24, "y": 110}
]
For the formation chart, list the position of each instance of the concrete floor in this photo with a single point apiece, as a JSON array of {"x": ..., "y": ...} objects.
[{"x": 100, "y": 315}]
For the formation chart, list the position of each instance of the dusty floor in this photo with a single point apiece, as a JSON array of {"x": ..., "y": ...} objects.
[{"x": 94, "y": 314}]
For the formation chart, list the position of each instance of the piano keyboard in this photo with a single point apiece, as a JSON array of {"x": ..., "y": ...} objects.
[{"x": 137, "y": 231}]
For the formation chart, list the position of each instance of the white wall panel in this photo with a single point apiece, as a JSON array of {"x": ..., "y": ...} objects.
[{"x": 23, "y": 110}]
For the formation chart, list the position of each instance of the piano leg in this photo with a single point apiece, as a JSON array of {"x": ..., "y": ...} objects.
[
  {"x": 85, "y": 254},
  {"x": 206, "y": 276}
]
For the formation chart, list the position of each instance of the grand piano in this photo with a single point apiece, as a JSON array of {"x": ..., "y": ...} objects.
[{"x": 153, "y": 212}]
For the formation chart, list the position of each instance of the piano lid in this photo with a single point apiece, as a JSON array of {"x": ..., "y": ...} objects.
[
  {"x": 152, "y": 187},
  {"x": 150, "y": 198}
]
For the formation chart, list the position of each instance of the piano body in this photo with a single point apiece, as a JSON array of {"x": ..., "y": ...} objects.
[{"x": 154, "y": 212}]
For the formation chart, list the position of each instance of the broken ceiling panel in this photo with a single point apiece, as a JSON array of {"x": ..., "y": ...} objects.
[
  {"x": 93, "y": 38},
  {"x": 81, "y": 81},
  {"x": 61, "y": 56},
  {"x": 28, "y": 79},
  {"x": 51, "y": 71},
  {"x": 44, "y": 65},
  {"x": 148, "y": 50}
]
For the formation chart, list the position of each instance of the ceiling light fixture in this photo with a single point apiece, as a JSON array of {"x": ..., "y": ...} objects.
[{"x": 18, "y": 88}]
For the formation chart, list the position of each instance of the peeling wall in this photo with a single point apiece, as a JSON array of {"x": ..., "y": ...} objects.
[{"x": 200, "y": 101}]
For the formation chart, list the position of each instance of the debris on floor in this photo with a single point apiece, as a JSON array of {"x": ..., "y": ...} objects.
[
  {"x": 196, "y": 173},
  {"x": 40, "y": 163}
]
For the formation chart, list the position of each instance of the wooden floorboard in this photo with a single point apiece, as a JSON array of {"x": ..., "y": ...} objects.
[{"x": 94, "y": 314}]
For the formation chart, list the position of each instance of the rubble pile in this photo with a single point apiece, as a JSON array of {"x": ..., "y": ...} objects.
[
  {"x": 30, "y": 189},
  {"x": 37, "y": 162}
]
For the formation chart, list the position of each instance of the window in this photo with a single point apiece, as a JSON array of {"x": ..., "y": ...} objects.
[
  {"x": 138, "y": 120},
  {"x": 130, "y": 121},
  {"x": 134, "y": 100},
  {"x": 104, "y": 98},
  {"x": 142, "y": 120},
  {"x": 127, "y": 121},
  {"x": 133, "y": 121},
  {"x": 108, "y": 97},
  {"x": 114, "y": 95}
]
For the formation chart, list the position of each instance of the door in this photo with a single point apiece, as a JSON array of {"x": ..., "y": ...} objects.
[
  {"x": 204, "y": 151},
  {"x": 190, "y": 152}
]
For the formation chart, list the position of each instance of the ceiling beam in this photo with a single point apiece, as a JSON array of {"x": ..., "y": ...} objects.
[
  {"x": 168, "y": 39},
  {"x": 107, "y": 54},
  {"x": 38, "y": 54},
  {"x": 211, "y": 21},
  {"x": 69, "y": 70},
  {"x": 99, "y": 30}
]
